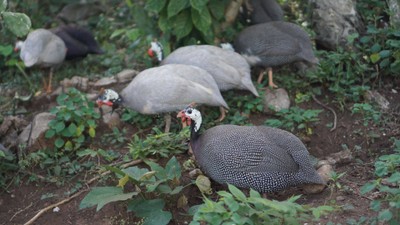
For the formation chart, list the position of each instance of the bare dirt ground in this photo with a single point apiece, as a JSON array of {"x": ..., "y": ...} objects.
[{"x": 22, "y": 202}]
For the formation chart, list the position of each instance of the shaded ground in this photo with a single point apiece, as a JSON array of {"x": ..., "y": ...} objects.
[{"x": 365, "y": 142}]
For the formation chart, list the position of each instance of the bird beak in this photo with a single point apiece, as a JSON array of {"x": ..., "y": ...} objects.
[
  {"x": 186, "y": 121},
  {"x": 150, "y": 53},
  {"x": 100, "y": 103}
]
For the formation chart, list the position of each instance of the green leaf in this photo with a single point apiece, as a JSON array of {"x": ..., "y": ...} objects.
[
  {"x": 375, "y": 57},
  {"x": 18, "y": 23},
  {"x": 385, "y": 53},
  {"x": 385, "y": 215},
  {"x": 86, "y": 152},
  {"x": 155, "y": 5},
  {"x": 368, "y": 187},
  {"x": 135, "y": 172},
  {"x": 217, "y": 9},
  {"x": 173, "y": 169},
  {"x": 69, "y": 145},
  {"x": 3, "y": 6},
  {"x": 182, "y": 24},
  {"x": 59, "y": 126},
  {"x": 204, "y": 184},
  {"x": 237, "y": 193},
  {"x": 198, "y": 4},
  {"x": 6, "y": 50},
  {"x": 161, "y": 173},
  {"x": 59, "y": 142},
  {"x": 202, "y": 19},
  {"x": 50, "y": 133},
  {"x": 176, "y": 6},
  {"x": 151, "y": 210},
  {"x": 72, "y": 128},
  {"x": 117, "y": 33},
  {"x": 103, "y": 195},
  {"x": 394, "y": 178},
  {"x": 92, "y": 132}
]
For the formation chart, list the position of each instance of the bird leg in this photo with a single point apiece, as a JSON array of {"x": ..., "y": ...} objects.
[
  {"x": 49, "y": 88},
  {"x": 270, "y": 78},
  {"x": 167, "y": 122},
  {"x": 223, "y": 114}
]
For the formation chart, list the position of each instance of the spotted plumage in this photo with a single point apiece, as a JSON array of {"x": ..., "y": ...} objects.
[{"x": 259, "y": 157}]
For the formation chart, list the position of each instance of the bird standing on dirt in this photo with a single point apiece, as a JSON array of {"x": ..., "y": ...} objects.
[
  {"x": 262, "y": 158},
  {"x": 42, "y": 48},
  {"x": 166, "y": 89},
  {"x": 274, "y": 43}
]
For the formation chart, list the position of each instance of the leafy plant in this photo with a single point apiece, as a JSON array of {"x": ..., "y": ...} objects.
[
  {"x": 368, "y": 113},
  {"x": 141, "y": 121},
  {"x": 116, "y": 138},
  {"x": 18, "y": 23},
  {"x": 159, "y": 144},
  {"x": 7, "y": 165},
  {"x": 75, "y": 121},
  {"x": 162, "y": 181},
  {"x": 234, "y": 207},
  {"x": 387, "y": 171},
  {"x": 295, "y": 118},
  {"x": 335, "y": 177}
]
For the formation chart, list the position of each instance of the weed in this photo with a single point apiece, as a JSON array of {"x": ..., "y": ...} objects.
[
  {"x": 117, "y": 138},
  {"x": 141, "y": 121},
  {"x": 159, "y": 144},
  {"x": 234, "y": 207},
  {"x": 387, "y": 171},
  {"x": 334, "y": 178},
  {"x": 368, "y": 112},
  {"x": 295, "y": 118}
]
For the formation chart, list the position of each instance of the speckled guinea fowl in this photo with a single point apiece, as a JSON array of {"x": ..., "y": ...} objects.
[
  {"x": 79, "y": 41},
  {"x": 262, "y": 11},
  {"x": 274, "y": 44},
  {"x": 259, "y": 157},
  {"x": 42, "y": 48},
  {"x": 229, "y": 69},
  {"x": 166, "y": 89}
]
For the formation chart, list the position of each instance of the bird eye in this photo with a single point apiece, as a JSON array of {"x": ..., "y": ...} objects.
[{"x": 189, "y": 111}]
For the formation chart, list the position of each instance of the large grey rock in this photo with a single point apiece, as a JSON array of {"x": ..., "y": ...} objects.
[
  {"x": 9, "y": 130},
  {"x": 276, "y": 100},
  {"x": 33, "y": 135},
  {"x": 334, "y": 21}
]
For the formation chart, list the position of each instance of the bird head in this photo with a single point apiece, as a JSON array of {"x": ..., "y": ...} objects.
[
  {"x": 109, "y": 97},
  {"x": 156, "y": 49},
  {"x": 18, "y": 46},
  {"x": 190, "y": 114}
]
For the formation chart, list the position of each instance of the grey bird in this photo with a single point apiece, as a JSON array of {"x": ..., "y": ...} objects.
[
  {"x": 229, "y": 69},
  {"x": 42, "y": 48},
  {"x": 274, "y": 43},
  {"x": 262, "y": 158},
  {"x": 165, "y": 89},
  {"x": 262, "y": 11}
]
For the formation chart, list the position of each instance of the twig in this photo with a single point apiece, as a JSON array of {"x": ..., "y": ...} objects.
[
  {"x": 42, "y": 211},
  {"x": 21, "y": 210},
  {"x": 330, "y": 109}
]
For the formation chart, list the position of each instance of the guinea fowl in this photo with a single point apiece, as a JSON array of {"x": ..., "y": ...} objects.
[
  {"x": 274, "y": 44},
  {"x": 79, "y": 41},
  {"x": 229, "y": 69},
  {"x": 263, "y": 158},
  {"x": 166, "y": 89},
  {"x": 262, "y": 11},
  {"x": 42, "y": 48}
]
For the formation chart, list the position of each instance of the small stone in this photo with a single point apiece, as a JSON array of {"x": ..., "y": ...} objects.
[
  {"x": 195, "y": 173},
  {"x": 276, "y": 100},
  {"x": 325, "y": 172},
  {"x": 340, "y": 198},
  {"x": 105, "y": 81},
  {"x": 78, "y": 82},
  {"x": 379, "y": 99},
  {"x": 56, "y": 209},
  {"x": 126, "y": 75}
]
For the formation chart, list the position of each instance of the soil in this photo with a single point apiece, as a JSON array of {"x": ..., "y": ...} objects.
[{"x": 20, "y": 203}]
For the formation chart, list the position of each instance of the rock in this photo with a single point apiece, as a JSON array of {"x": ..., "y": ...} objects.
[
  {"x": 334, "y": 21},
  {"x": 195, "y": 173},
  {"x": 380, "y": 100},
  {"x": 341, "y": 157},
  {"x": 276, "y": 100},
  {"x": 112, "y": 119},
  {"x": 33, "y": 135},
  {"x": 9, "y": 130},
  {"x": 105, "y": 81},
  {"x": 394, "y": 8},
  {"x": 340, "y": 198},
  {"x": 78, "y": 12},
  {"x": 126, "y": 75},
  {"x": 325, "y": 172},
  {"x": 313, "y": 188},
  {"x": 80, "y": 83}
]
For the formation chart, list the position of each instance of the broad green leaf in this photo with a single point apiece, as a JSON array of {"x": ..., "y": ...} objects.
[
  {"x": 18, "y": 23},
  {"x": 385, "y": 215},
  {"x": 86, "y": 152},
  {"x": 59, "y": 126},
  {"x": 176, "y": 190},
  {"x": 231, "y": 203},
  {"x": 117, "y": 33},
  {"x": 3, "y": 5},
  {"x": 59, "y": 142},
  {"x": 2, "y": 154},
  {"x": 385, "y": 53},
  {"x": 237, "y": 193},
  {"x": 123, "y": 181},
  {"x": 6, "y": 50},
  {"x": 115, "y": 170},
  {"x": 50, "y": 133},
  {"x": 176, "y": 6},
  {"x": 198, "y": 4},
  {"x": 217, "y": 9},
  {"x": 72, "y": 128},
  {"x": 155, "y": 5},
  {"x": 375, "y": 57},
  {"x": 204, "y": 184},
  {"x": 103, "y": 195},
  {"x": 92, "y": 132},
  {"x": 150, "y": 210},
  {"x": 163, "y": 23},
  {"x": 202, "y": 19},
  {"x": 182, "y": 24},
  {"x": 173, "y": 169},
  {"x": 68, "y": 145},
  {"x": 135, "y": 172},
  {"x": 376, "y": 48},
  {"x": 161, "y": 172},
  {"x": 394, "y": 178},
  {"x": 133, "y": 34}
]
